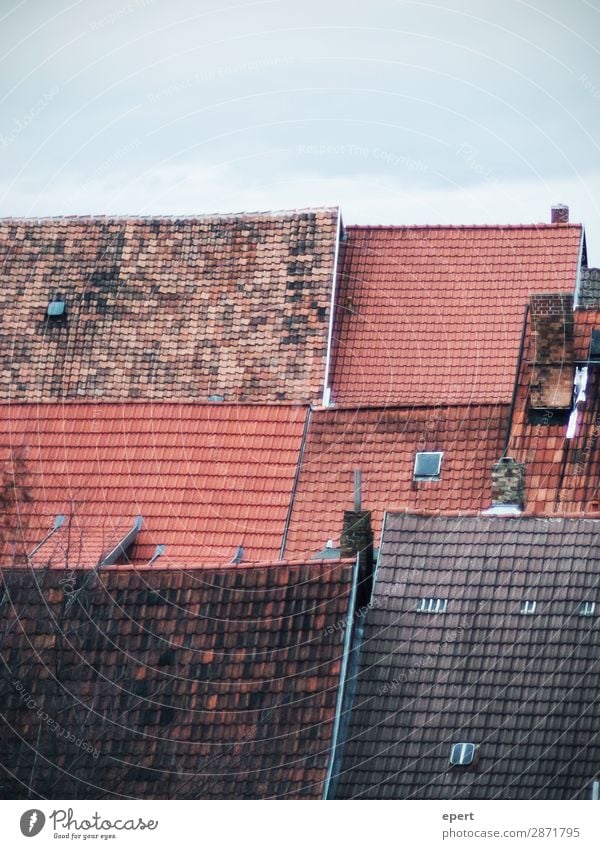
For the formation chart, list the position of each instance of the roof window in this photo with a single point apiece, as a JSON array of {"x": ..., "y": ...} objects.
[
  {"x": 587, "y": 608},
  {"x": 595, "y": 790},
  {"x": 527, "y": 607},
  {"x": 432, "y": 605},
  {"x": 462, "y": 754},
  {"x": 428, "y": 465},
  {"x": 56, "y": 308}
]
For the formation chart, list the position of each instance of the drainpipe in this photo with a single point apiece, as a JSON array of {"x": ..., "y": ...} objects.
[
  {"x": 326, "y": 388},
  {"x": 342, "y": 685}
]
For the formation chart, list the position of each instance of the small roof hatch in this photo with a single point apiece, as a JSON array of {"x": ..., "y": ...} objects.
[
  {"x": 56, "y": 308},
  {"x": 462, "y": 754},
  {"x": 428, "y": 465}
]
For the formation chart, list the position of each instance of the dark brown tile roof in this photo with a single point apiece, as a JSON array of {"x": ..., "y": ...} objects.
[
  {"x": 165, "y": 308},
  {"x": 524, "y": 688},
  {"x": 153, "y": 683},
  {"x": 589, "y": 291}
]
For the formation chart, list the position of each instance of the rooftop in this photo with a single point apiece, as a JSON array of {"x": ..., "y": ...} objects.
[
  {"x": 167, "y": 308},
  {"x": 451, "y": 654},
  {"x": 383, "y": 444},
  {"x": 430, "y": 315},
  {"x": 207, "y": 479},
  {"x": 171, "y": 684}
]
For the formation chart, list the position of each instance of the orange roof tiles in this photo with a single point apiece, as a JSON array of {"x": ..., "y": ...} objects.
[
  {"x": 166, "y": 308},
  {"x": 382, "y": 443},
  {"x": 561, "y": 475},
  {"x": 434, "y": 314},
  {"x": 206, "y": 478}
]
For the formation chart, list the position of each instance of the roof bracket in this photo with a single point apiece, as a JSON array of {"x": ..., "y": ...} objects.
[{"x": 119, "y": 550}]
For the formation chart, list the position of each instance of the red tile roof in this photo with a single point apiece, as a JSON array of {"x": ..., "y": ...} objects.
[
  {"x": 206, "y": 478},
  {"x": 166, "y": 308},
  {"x": 431, "y": 315},
  {"x": 187, "y": 684},
  {"x": 561, "y": 475},
  {"x": 382, "y": 443}
]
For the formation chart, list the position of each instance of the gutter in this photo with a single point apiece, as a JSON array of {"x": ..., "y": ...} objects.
[
  {"x": 326, "y": 387},
  {"x": 342, "y": 685}
]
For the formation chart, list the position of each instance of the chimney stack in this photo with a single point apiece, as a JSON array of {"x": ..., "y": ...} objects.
[
  {"x": 357, "y": 539},
  {"x": 553, "y": 371},
  {"x": 508, "y": 483},
  {"x": 559, "y": 214}
]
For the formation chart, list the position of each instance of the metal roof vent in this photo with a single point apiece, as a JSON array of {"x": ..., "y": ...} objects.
[{"x": 432, "y": 605}]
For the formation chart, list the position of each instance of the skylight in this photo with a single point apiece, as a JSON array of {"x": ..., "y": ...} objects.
[
  {"x": 56, "y": 308},
  {"x": 528, "y": 607},
  {"x": 428, "y": 465},
  {"x": 462, "y": 754}
]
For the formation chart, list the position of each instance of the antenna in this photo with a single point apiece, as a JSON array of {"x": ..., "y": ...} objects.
[{"x": 357, "y": 490}]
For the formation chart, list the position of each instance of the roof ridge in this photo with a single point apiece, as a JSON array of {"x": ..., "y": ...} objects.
[
  {"x": 531, "y": 226},
  {"x": 184, "y": 402},
  {"x": 442, "y": 405},
  {"x": 474, "y": 514},
  {"x": 275, "y": 213}
]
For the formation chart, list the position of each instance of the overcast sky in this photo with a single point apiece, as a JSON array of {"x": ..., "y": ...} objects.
[{"x": 457, "y": 111}]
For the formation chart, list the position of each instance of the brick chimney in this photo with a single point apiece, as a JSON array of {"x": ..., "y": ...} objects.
[
  {"x": 357, "y": 538},
  {"x": 508, "y": 483},
  {"x": 553, "y": 369},
  {"x": 559, "y": 214}
]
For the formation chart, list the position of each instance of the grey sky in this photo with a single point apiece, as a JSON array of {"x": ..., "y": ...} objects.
[{"x": 403, "y": 112}]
